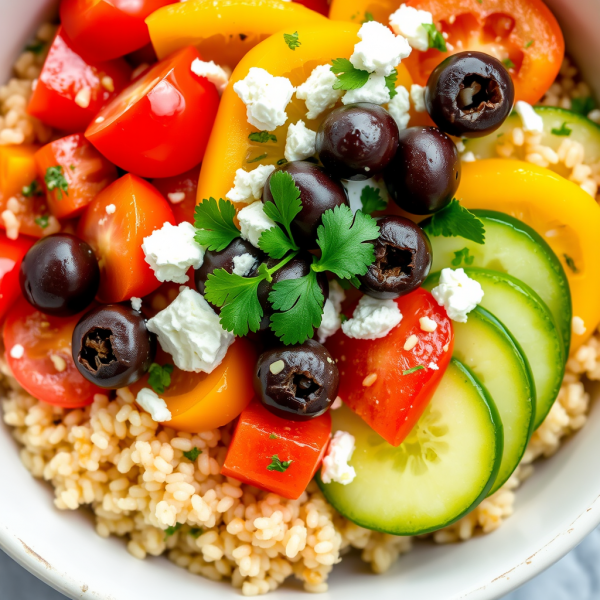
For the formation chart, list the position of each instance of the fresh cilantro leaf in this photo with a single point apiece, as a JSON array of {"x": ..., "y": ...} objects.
[
  {"x": 42, "y": 221},
  {"x": 273, "y": 437},
  {"x": 33, "y": 189},
  {"x": 563, "y": 130},
  {"x": 436, "y": 39},
  {"x": 368, "y": 17},
  {"x": 193, "y": 454},
  {"x": 278, "y": 465},
  {"x": 286, "y": 200},
  {"x": 529, "y": 44},
  {"x": 390, "y": 83},
  {"x": 196, "y": 532},
  {"x": 571, "y": 263},
  {"x": 262, "y": 137},
  {"x": 159, "y": 377},
  {"x": 276, "y": 243},
  {"x": 413, "y": 370},
  {"x": 214, "y": 222},
  {"x": 371, "y": 200},
  {"x": 257, "y": 158},
  {"x": 456, "y": 221},
  {"x": 169, "y": 531},
  {"x": 349, "y": 77},
  {"x": 460, "y": 256},
  {"x": 291, "y": 39},
  {"x": 343, "y": 239},
  {"x": 583, "y": 106},
  {"x": 55, "y": 180},
  {"x": 36, "y": 47},
  {"x": 509, "y": 64}
]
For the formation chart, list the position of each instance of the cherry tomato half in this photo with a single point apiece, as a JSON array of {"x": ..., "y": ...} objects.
[
  {"x": 180, "y": 191},
  {"x": 46, "y": 369},
  {"x": 11, "y": 256},
  {"x": 159, "y": 126},
  {"x": 116, "y": 236}
]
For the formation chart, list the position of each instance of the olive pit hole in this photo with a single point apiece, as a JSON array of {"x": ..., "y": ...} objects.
[
  {"x": 304, "y": 387},
  {"x": 477, "y": 91},
  {"x": 396, "y": 261},
  {"x": 96, "y": 349}
]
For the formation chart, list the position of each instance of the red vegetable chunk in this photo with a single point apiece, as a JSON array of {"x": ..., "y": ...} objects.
[
  {"x": 180, "y": 191},
  {"x": 11, "y": 256}
]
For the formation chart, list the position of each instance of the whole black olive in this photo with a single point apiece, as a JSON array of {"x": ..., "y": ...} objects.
[
  {"x": 112, "y": 346},
  {"x": 425, "y": 173},
  {"x": 357, "y": 141},
  {"x": 60, "y": 275},
  {"x": 318, "y": 192},
  {"x": 297, "y": 382},
  {"x": 402, "y": 259},
  {"x": 469, "y": 94}
]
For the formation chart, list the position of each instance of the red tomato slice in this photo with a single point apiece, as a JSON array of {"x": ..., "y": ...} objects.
[
  {"x": 117, "y": 237},
  {"x": 42, "y": 337},
  {"x": 86, "y": 171},
  {"x": 159, "y": 125},
  {"x": 180, "y": 191},
  {"x": 70, "y": 91},
  {"x": 320, "y": 6},
  {"x": 104, "y": 29},
  {"x": 523, "y": 32},
  {"x": 372, "y": 383},
  {"x": 11, "y": 256},
  {"x": 260, "y": 435}
]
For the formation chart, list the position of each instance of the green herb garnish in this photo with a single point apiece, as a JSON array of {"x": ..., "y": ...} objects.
[
  {"x": 257, "y": 158},
  {"x": 436, "y": 39},
  {"x": 571, "y": 263},
  {"x": 563, "y": 130},
  {"x": 33, "y": 189},
  {"x": 193, "y": 454},
  {"x": 371, "y": 200},
  {"x": 273, "y": 437},
  {"x": 159, "y": 377},
  {"x": 413, "y": 370},
  {"x": 291, "y": 39},
  {"x": 390, "y": 83},
  {"x": 368, "y": 17},
  {"x": 456, "y": 221},
  {"x": 169, "y": 531},
  {"x": 262, "y": 137},
  {"x": 529, "y": 44},
  {"x": 349, "y": 77},
  {"x": 42, "y": 221},
  {"x": 196, "y": 532},
  {"x": 36, "y": 47},
  {"x": 281, "y": 161},
  {"x": 278, "y": 465},
  {"x": 460, "y": 256},
  {"x": 509, "y": 64},
  {"x": 214, "y": 223},
  {"x": 55, "y": 180}
]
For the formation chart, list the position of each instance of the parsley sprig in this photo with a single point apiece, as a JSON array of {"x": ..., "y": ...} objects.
[
  {"x": 291, "y": 39},
  {"x": 456, "y": 221},
  {"x": 55, "y": 180}
]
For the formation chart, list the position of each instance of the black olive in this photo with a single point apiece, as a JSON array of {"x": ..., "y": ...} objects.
[
  {"x": 297, "y": 382},
  {"x": 112, "y": 346},
  {"x": 469, "y": 94},
  {"x": 60, "y": 275},
  {"x": 402, "y": 259},
  {"x": 425, "y": 173},
  {"x": 357, "y": 141}
]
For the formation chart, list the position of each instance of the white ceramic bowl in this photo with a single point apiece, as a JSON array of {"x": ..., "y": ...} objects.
[{"x": 555, "y": 509}]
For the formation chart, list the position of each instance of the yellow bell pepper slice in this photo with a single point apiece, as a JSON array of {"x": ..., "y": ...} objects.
[
  {"x": 361, "y": 10},
  {"x": 559, "y": 210},
  {"x": 224, "y": 30},
  {"x": 229, "y": 148}
]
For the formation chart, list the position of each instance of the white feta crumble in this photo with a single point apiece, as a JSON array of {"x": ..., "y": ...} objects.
[
  {"x": 355, "y": 188},
  {"x": 372, "y": 319},
  {"x": 578, "y": 326},
  {"x": 243, "y": 264},
  {"x": 110, "y": 209},
  {"x": 530, "y": 120},
  {"x": 457, "y": 293},
  {"x": 399, "y": 107},
  {"x": 214, "y": 73},
  {"x": 172, "y": 250},
  {"x": 317, "y": 91},
  {"x": 427, "y": 324},
  {"x": 468, "y": 157},
  {"x": 253, "y": 222},
  {"x": 176, "y": 197},
  {"x": 417, "y": 95},
  {"x": 249, "y": 185},
  {"x": 136, "y": 303},
  {"x": 266, "y": 98},
  {"x": 335, "y": 464},
  {"x": 375, "y": 91},
  {"x": 190, "y": 331},
  {"x": 433, "y": 366},
  {"x": 408, "y": 21},
  {"x": 154, "y": 405},
  {"x": 380, "y": 51},
  {"x": 17, "y": 352},
  {"x": 300, "y": 142},
  {"x": 331, "y": 322}
]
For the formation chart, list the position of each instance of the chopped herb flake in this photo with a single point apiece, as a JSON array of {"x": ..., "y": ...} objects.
[
  {"x": 36, "y": 47},
  {"x": 55, "y": 180},
  {"x": 273, "y": 437},
  {"x": 169, "y": 531},
  {"x": 349, "y": 77},
  {"x": 291, "y": 39},
  {"x": 193, "y": 454},
  {"x": 571, "y": 263},
  {"x": 257, "y": 158},
  {"x": 529, "y": 44},
  {"x": 460, "y": 256},
  {"x": 371, "y": 200},
  {"x": 42, "y": 221},
  {"x": 563, "y": 130},
  {"x": 278, "y": 465},
  {"x": 583, "y": 106},
  {"x": 368, "y": 17},
  {"x": 262, "y": 137},
  {"x": 413, "y": 370},
  {"x": 33, "y": 189},
  {"x": 159, "y": 377},
  {"x": 436, "y": 39},
  {"x": 281, "y": 161},
  {"x": 196, "y": 532},
  {"x": 390, "y": 83},
  {"x": 509, "y": 64}
]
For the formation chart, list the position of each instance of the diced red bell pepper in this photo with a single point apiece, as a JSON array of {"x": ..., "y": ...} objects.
[{"x": 11, "y": 256}]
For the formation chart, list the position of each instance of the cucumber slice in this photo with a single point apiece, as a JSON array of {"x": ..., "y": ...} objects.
[
  {"x": 514, "y": 248},
  {"x": 444, "y": 468}
]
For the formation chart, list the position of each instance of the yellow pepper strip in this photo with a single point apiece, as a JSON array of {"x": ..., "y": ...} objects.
[
  {"x": 559, "y": 210},
  {"x": 224, "y": 30},
  {"x": 357, "y": 11}
]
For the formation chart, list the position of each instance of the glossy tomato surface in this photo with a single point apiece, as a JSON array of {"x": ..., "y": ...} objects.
[
  {"x": 387, "y": 386},
  {"x": 180, "y": 191},
  {"x": 11, "y": 256},
  {"x": 57, "y": 381},
  {"x": 116, "y": 238},
  {"x": 159, "y": 126}
]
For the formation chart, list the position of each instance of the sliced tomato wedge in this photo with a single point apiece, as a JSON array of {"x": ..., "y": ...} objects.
[
  {"x": 159, "y": 126},
  {"x": 85, "y": 171},
  {"x": 70, "y": 90},
  {"x": 387, "y": 386},
  {"x": 116, "y": 236},
  {"x": 11, "y": 256},
  {"x": 275, "y": 454},
  {"x": 180, "y": 191},
  {"x": 46, "y": 368}
]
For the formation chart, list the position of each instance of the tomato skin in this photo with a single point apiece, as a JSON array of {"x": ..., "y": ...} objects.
[
  {"x": 320, "y": 6},
  {"x": 117, "y": 238},
  {"x": 108, "y": 29},
  {"x": 42, "y": 335},
  {"x": 11, "y": 256},
  {"x": 159, "y": 126},
  {"x": 87, "y": 172},
  {"x": 393, "y": 404},
  {"x": 253, "y": 446},
  {"x": 187, "y": 184}
]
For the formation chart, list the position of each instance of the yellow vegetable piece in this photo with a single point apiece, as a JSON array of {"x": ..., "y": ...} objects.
[
  {"x": 224, "y": 30},
  {"x": 361, "y": 10},
  {"x": 229, "y": 148},
  {"x": 559, "y": 210}
]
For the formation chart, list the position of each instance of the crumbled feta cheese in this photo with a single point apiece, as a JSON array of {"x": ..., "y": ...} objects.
[
  {"x": 578, "y": 326},
  {"x": 372, "y": 319},
  {"x": 136, "y": 303},
  {"x": 433, "y": 366},
  {"x": 190, "y": 331},
  {"x": 214, "y": 73},
  {"x": 317, "y": 91},
  {"x": 337, "y": 403},
  {"x": 468, "y": 157},
  {"x": 399, "y": 107},
  {"x": 417, "y": 95},
  {"x": 375, "y": 91},
  {"x": 266, "y": 98},
  {"x": 300, "y": 142},
  {"x": 529, "y": 118},
  {"x": 331, "y": 322},
  {"x": 355, "y": 188},
  {"x": 152, "y": 404},
  {"x": 172, "y": 250},
  {"x": 408, "y": 21},
  {"x": 176, "y": 197},
  {"x": 248, "y": 185},
  {"x": 253, "y": 222},
  {"x": 380, "y": 51},
  {"x": 110, "y": 209},
  {"x": 243, "y": 264},
  {"x": 427, "y": 324},
  {"x": 457, "y": 293},
  {"x": 411, "y": 342},
  {"x": 335, "y": 464},
  {"x": 17, "y": 351}
]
